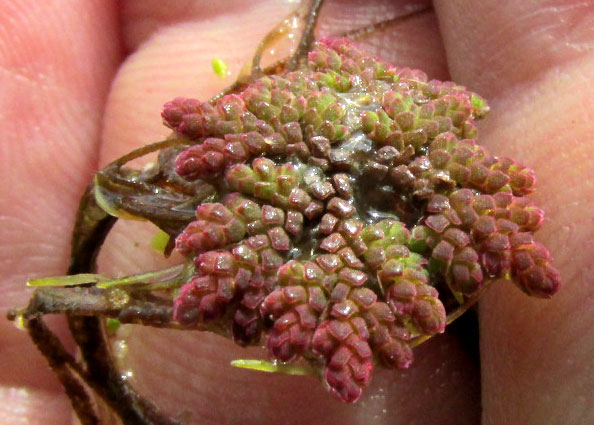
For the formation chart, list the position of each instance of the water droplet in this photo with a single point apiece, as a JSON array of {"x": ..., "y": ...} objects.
[{"x": 127, "y": 374}]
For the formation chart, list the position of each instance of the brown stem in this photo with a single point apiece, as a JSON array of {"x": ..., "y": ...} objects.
[
  {"x": 307, "y": 36},
  {"x": 90, "y": 230},
  {"x": 69, "y": 373},
  {"x": 145, "y": 150},
  {"x": 118, "y": 304},
  {"x": 290, "y": 63},
  {"x": 271, "y": 37},
  {"x": 106, "y": 380}
]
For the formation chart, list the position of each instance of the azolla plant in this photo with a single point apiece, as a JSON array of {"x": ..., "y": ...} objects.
[
  {"x": 353, "y": 202},
  {"x": 339, "y": 211}
]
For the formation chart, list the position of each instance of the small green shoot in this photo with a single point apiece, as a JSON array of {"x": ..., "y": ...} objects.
[
  {"x": 74, "y": 280},
  {"x": 219, "y": 68},
  {"x": 112, "y": 325},
  {"x": 160, "y": 241},
  {"x": 272, "y": 367},
  {"x": 172, "y": 273}
]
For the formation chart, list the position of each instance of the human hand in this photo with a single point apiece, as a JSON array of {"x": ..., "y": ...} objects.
[{"x": 61, "y": 120}]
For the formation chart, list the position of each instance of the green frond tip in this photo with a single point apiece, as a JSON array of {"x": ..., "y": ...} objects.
[
  {"x": 160, "y": 241},
  {"x": 74, "y": 280},
  {"x": 479, "y": 106},
  {"x": 272, "y": 367},
  {"x": 219, "y": 68}
]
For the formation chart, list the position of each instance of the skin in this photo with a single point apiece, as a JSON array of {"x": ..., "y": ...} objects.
[{"x": 83, "y": 83}]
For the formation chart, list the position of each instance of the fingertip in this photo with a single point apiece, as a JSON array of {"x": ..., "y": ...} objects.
[{"x": 496, "y": 45}]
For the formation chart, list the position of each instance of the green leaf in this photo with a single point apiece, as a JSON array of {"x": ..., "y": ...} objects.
[
  {"x": 160, "y": 241},
  {"x": 73, "y": 280},
  {"x": 173, "y": 274},
  {"x": 272, "y": 367}
]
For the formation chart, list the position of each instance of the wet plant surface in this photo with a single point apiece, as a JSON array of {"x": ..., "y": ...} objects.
[{"x": 338, "y": 210}]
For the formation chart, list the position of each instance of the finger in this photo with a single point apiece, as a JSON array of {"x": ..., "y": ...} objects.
[
  {"x": 501, "y": 46},
  {"x": 56, "y": 59},
  {"x": 189, "y": 372},
  {"x": 535, "y": 59}
]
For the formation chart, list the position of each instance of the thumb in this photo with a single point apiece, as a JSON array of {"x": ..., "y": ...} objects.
[{"x": 534, "y": 59}]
